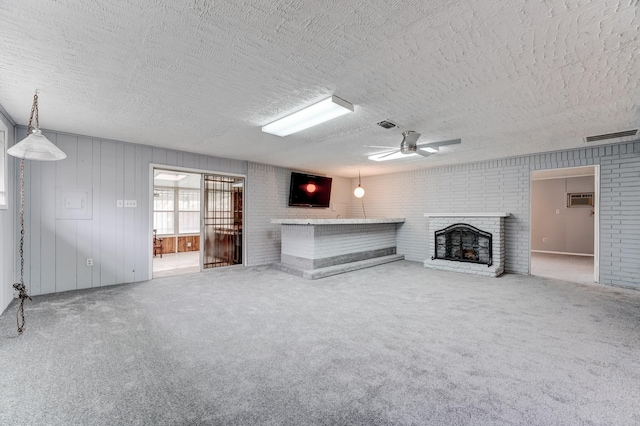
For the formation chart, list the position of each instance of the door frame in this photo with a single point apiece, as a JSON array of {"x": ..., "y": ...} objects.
[
  {"x": 202, "y": 172},
  {"x": 596, "y": 213}
]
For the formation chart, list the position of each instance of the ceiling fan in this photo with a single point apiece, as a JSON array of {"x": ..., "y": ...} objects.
[{"x": 410, "y": 146}]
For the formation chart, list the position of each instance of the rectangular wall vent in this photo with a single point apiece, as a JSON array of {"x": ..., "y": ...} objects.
[{"x": 611, "y": 136}]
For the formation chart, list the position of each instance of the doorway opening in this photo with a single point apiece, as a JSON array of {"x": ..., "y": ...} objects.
[
  {"x": 564, "y": 224},
  {"x": 176, "y": 222},
  {"x": 197, "y": 220},
  {"x": 222, "y": 219}
]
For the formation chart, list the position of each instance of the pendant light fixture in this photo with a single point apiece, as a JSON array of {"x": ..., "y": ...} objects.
[
  {"x": 34, "y": 147},
  {"x": 359, "y": 191}
]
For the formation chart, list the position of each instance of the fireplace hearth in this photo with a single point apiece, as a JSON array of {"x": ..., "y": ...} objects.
[
  {"x": 461, "y": 242},
  {"x": 472, "y": 243}
]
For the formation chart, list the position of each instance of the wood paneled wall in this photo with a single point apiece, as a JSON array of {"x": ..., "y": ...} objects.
[
  {"x": 183, "y": 243},
  {"x": 118, "y": 239},
  {"x": 169, "y": 244}
]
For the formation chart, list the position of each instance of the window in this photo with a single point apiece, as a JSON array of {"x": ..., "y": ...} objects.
[
  {"x": 4, "y": 176},
  {"x": 163, "y": 211},
  {"x": 181, "y": 217},
  {"x": 188, "y": 211}
]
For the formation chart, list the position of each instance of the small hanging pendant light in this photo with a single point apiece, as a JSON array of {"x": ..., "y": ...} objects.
[
  {"x": 36, "y": 146},
  {"x": 359, "y": 191}
]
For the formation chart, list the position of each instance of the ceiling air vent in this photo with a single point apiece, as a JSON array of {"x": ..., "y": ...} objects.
[
  {"x": 387, "y": 124},
  {"x": 611, "y": 136}
]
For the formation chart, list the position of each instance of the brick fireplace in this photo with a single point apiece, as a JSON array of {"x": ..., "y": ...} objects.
[{"x": 471, "y": 243}]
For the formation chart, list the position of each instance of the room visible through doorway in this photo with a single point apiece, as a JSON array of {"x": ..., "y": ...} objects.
[
  {"x": 564, "y": 223},
  {"x": 176, "y": 222}
]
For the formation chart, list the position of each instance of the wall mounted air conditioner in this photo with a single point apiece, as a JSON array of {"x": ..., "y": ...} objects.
[{"x": 580, "y": 199}]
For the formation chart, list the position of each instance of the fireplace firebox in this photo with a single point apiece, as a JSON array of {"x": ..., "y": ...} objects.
[{"x": 463, "y": 243}]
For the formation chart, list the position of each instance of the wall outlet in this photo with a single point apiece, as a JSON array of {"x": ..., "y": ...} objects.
[
  {"x": 544, "y": 239},
  {"x": 188, "y": 243},
  {"x": 130, "y": 203},
  {"x": 119, "y": 203},
  {"x": 557, "y": 211},
  {"x": 89, "y": 261}
]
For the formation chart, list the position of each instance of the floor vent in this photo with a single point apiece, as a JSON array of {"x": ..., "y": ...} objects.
[
  {"x": 611, "y": 136},
  {"x": 387, "y": 124}
]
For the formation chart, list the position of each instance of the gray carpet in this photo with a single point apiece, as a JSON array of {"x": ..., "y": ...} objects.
[{"x": 396, "y": 344}]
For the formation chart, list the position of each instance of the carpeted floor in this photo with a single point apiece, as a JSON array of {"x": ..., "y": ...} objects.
[{"x": 396, "y": 344}]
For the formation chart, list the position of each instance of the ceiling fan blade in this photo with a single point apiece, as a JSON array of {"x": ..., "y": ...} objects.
[
  {"x": 441, "y": 143},
  {"x": 424, "y": 153},
  {"x": 380, "y": 146},
  {"x": 388, "y": 154}
]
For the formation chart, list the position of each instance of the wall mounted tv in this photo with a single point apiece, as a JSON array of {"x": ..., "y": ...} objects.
[{"x": 309, "y": 190}]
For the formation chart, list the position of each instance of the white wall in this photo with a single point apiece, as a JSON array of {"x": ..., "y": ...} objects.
[
  {"x": 504, "y": 186},
  {"x": 117, "y": 239},
  {"x": 56, "y": 249},
  {"x": 571, "y": 229},
  {"x": 8, "y": 246},
  {"x": 268, "y": 198},
  {"x": 492, "y": 186}
]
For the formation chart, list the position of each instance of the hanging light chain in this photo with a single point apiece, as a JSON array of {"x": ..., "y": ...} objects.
[
  {"x": 20, "y": 287},
  {"x": 34, "y": 111}
]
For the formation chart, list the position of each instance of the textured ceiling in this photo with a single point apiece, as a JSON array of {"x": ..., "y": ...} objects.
[{"x": 508, "y": 78}]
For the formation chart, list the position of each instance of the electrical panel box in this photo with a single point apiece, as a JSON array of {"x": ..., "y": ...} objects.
[{"x": 74, "y": 203}]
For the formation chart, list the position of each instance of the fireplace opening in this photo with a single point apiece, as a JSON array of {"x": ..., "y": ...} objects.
[{"x": 463, "y": 243}]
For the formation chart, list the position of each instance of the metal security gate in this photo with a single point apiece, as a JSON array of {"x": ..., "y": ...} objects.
[{"x": 222, "y": 220}]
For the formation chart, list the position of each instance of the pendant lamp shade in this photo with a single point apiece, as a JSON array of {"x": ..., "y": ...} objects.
[{"x": 36, "y": 147}]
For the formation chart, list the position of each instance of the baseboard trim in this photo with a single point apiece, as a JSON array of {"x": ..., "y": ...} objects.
[{"x": 562, "y": 252}]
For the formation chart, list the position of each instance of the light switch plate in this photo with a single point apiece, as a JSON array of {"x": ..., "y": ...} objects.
[{"x": 130, "y": 203}]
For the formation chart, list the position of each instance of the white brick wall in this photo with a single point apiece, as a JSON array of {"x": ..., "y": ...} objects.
[
  {"x": 478, "y": 187},
  {"x": 268, "y": 198},
  {"x": 504, "y": 185}
]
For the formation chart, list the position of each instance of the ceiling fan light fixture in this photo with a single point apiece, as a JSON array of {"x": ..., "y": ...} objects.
[
  {"x": 320, "y": 112},
  {"x": 384, "y": 156}
]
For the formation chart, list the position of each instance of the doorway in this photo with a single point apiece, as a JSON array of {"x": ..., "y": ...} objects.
[
  {"x": 222, "y": 220},
  {"x": 564, "y": 224},
  {"x": 197, "y": 221},
  {"x": 176, "y": 222}
]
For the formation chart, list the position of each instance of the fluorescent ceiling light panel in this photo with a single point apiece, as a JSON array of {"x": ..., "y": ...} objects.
[
  {"x": 315, "y": 114},
  {"x": 170, "y": 176},
  {"x": 384, "y": 156}
]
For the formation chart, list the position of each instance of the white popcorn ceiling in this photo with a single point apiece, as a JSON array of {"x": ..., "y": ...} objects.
[{"x": 508, "y": 77}]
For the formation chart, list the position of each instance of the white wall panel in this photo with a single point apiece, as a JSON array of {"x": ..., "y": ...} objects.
[
  {"x": 7, "y": 227},
  {"x": 115, "y": 238},
  {"x": 47, "y": 223}
]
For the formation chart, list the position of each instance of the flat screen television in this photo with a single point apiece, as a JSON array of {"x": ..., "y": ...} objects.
[{"x": 309, "y": 190}]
